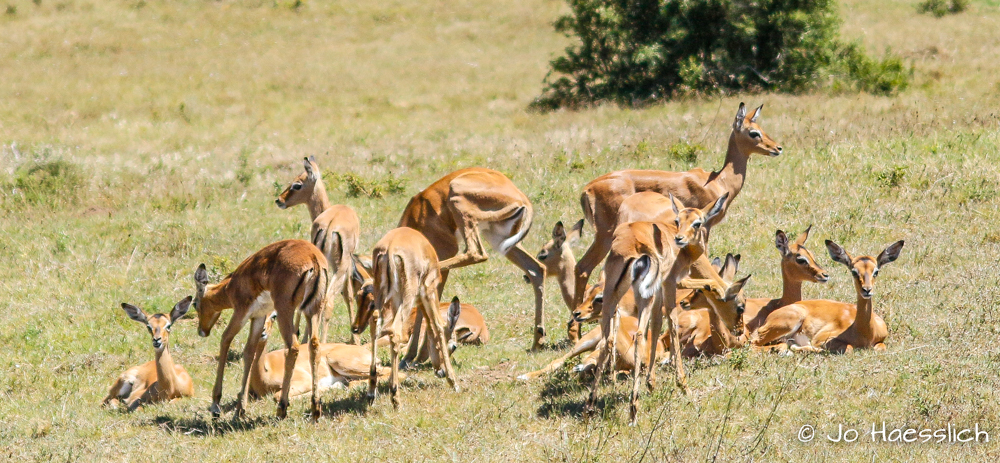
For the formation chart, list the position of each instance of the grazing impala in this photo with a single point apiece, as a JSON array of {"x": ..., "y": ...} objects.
[
  {"x": 832, "y": 325},
  {"x": 559, "y": 262},
  {"x": 157, "y": 380},
  {"x": 340, "y": 365},
  {"x": 602, "y": 197},
  {"x": 285, "y": 277},
  {"x": 798, "y": 265},
  {"x": 466, "y": 206},
  {"x": 406, "y": 275},
  {"x": 335, "y": 231},
  {"x": 652, "y": 258}
]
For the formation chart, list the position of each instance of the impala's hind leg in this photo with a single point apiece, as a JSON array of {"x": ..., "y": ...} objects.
[
  {"x": 536, "y": 277},
  {"x": 780, "y": 325}
]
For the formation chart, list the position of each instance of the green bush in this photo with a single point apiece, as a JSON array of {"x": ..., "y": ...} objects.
[
  {"x": 635, "y": 51},
  {"x": 940, "y": 8}
]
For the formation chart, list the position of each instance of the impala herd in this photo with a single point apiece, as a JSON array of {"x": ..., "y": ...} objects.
[{"x": 652, "y": 232}]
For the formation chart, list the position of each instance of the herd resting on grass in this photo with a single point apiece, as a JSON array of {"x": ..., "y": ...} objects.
[{"x": 651, "y": 231}]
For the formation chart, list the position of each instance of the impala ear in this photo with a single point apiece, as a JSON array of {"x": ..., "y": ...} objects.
[
  {"x": 180, "y": 309},
  {"x": 308, "y": 163},
  {"x": 717, "y": 264},
  {"x": 717, "y": 207},
  {"x": 576, "y": 232},
  {"x": 741, "y": 115},
  {"x": 454, "y": 311},
  {"x": 201, "y": 275},
  {"x": 890, "y": 253},
  {"x": 735, "y": 288},
  {"x": 730, "y": 268},
  {"x": 676, "y": 204},
  {"x": 135, "y": 313},
  {"x": 838, "y": 254},
  {"x": 355, "y": 274},
  {"x": 756, "y": 114},
  {"x": 781, "y": 242},
  {"x": 801, "y": 240},
  {"x": 658, "y": 238},
  {"x": 558, "y": 234}
]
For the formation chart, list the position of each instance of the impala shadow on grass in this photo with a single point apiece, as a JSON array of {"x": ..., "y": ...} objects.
[
  {"x": 202, "y": 427},
  {"x": 565, "y": 394}
]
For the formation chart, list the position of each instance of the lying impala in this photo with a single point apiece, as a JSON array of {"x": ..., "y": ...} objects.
[
  {"x": 406, "y": 275},
  {"x": 283, "y": 277},
  {"x": 652, "y": 258},
  {"x": 335, "y": 231},
  {"x": 831, "y": 325},
  {"x": 157, "y": 380},
  {"x": 468, "y": 205},
  {"x": 559, "y": 262},
  {"x": 798, "y": 265},
  {"x": 602, "y": 197}
]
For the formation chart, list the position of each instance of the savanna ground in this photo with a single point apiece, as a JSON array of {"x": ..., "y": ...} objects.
[{"x": 165, "y": 129}]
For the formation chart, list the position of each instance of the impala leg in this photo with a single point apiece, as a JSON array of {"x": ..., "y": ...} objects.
[
  {"x": 287, "y": 327},
  {"x": 415, "y": 342},
  {"x": 475, "y": 252},
  {"x": 235, "y": 324},
  {"x": 313, "y": 330},
  {"x": 440, "y": 354},
  {"x": 373, "y": 370},
  {"x": 394, "y": 376},
  {"x": 589, "y": 342},
  {"x": 349, "y": 301},
  {"x": 638, "y": 347},
  {"x": 536, "y": 277},
  {"x": 607, "y": 317},
  {"x": 249, "y": 362},
  {"x": 656, "y": 330}
]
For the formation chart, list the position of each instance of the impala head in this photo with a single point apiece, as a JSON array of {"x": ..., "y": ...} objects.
[
  {"x": 158, "y": 324},
  {"x": 207, "y": 316},
  {"x": 749, "y": 137},
  {"x": 364, "y": 295},
  {"x": 864, "y": 269},
  {"x": 593, "y": 303},
  {"x": 301, "y": 189},
  {"x": 557, "y": 250},
  {"x": 693, "y": 223},
  {"x": 797, "y": 262},
  {"x": 733, "y": 304}
]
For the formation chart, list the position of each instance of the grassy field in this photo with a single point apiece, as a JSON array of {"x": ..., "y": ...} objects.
[{"x": 140, "y": 138}]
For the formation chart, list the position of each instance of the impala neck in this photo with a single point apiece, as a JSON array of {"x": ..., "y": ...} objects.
[
  {"x": 165, "y": 375},
  {"x": 567, "y": 278},
  {"x": 791, "y": 291},
  {"x": 732, "y": 174},
  {"x": 216, "y": 298},
  {"x": 863, "y": 320},
  {"x": 319, "y": 201},
  {"x": 724, "y": 330}
]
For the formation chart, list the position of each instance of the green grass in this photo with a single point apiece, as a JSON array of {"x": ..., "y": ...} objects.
[{"x": 142, "y": 138}]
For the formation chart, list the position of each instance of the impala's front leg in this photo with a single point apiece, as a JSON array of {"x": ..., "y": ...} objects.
[
  {"x": 349, "y": 301},
  {"x": 535, "y": 274},
  {"x": 249, "y": 362},
  {"x": 441, "y": 355},
  {"x": 227, "y": 339},
  {"x": 638, "y": 346},
  {"x": 288, "y": 327},
  {"x": 609, "y": 345},
  {"x": 313, "y": 330},
  {"x": 373, "y": 371}
]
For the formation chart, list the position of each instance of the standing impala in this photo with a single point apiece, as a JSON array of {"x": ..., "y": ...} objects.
[
  {"x": 602, "y": 197},
  {"x": 156, "y": 380},
  {"x": 466, "y": 206},
  {"x": 651, "y": 258},
  {"x": 406, "y": 274},
  {"x": 832, "y": 325},
  {"x": 335, "y": 231},
  {"x": 285, "y": 277}
]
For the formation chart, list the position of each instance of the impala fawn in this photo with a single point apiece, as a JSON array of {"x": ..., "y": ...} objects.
[
  {"x": 335, "y": 231},
  {"x": 157, "y": 380},
  {"x": 832, "y": 325}
]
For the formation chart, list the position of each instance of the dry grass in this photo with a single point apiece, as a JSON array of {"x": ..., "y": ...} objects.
[{"x": 173, "y": 121}]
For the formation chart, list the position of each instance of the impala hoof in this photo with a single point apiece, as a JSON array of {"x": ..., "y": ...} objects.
[
  {"x": 440, "y": 373},
  {"x": 371, "y": 399},
  {"x": 215, "y": 410}
]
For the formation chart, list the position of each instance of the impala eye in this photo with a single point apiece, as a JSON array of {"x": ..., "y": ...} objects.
[
  {"x": 754, "y": 134},
  {"x": 854, "y": 271},
  {"x": 875, "y": 273},
  {"x": 696, "y": 225},
  {"x": 296, "y": 186},
  {"x": 802, "y": 260},
  {"x": 598, "y": 299}
]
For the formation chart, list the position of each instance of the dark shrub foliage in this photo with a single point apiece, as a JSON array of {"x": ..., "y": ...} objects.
[
  {"x": 940, "y": 8},
  {"x": 634, "y": 51}
]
